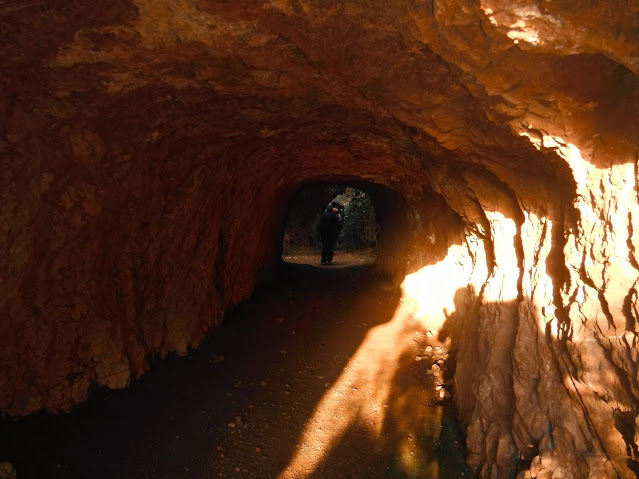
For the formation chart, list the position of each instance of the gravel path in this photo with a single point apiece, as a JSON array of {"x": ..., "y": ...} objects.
[{"x": 320, "y": 375}]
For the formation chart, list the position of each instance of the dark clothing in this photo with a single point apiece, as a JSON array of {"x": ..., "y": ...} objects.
[
  {"x": 328, "y": 250},
  {"x": 328, "y": 228}
]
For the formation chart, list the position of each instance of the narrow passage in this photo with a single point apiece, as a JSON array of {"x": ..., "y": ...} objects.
[{"x": 316, "y": 376}]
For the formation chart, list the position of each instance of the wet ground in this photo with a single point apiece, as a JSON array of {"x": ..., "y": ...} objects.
[{"x": 319, "y": 375}]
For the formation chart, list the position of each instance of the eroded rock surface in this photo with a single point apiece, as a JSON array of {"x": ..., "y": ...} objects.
[{"x": 149, "y": 150}]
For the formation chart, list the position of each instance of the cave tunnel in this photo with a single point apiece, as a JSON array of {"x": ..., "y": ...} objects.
[{"x": 150, "y": 151}]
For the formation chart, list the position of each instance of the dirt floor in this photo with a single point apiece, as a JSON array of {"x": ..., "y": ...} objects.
[{"x": 319, "y": 375}]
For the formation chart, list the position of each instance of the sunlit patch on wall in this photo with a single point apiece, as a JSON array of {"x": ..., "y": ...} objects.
[
  {"x": 522, "y": 32},
  {"x": 430, "y": 291},
  {"x": 502, "y": 286}
]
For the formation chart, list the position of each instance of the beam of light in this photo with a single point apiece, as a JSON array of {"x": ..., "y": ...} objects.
[{"x": 361, "y": 393}]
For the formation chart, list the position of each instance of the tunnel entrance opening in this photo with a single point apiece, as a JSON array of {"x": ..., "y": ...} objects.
[{"x": 358, "y": 228}]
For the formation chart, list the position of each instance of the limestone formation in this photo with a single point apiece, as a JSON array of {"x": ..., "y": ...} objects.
[{"x": 149, "y": 149}]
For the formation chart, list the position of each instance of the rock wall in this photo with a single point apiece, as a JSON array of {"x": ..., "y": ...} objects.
[{"x": 149, "y": 150}]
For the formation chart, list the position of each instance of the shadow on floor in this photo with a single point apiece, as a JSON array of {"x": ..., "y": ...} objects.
[{"x": 238, "y": 405}]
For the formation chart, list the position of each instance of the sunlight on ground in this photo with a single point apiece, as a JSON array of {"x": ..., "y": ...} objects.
[{"x": 361, "y": 393}]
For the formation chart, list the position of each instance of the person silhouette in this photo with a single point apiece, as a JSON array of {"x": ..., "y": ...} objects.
[{"x": 328, "y": 227}]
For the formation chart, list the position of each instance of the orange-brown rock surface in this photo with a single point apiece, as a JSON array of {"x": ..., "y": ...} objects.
[{"x": 149, "y": 150}]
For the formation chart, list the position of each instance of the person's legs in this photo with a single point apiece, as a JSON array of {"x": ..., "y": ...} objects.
[
  {"x": 330, "y": 252},
  {"x": 324, "y": 249}
]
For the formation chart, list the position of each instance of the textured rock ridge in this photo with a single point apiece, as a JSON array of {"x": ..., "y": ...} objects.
[{"x": 149, "y": 150}]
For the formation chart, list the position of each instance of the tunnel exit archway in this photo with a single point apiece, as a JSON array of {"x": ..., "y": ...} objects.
[
  {"x": 359, "y": 229},
  {"x": 372, "y": 213}
]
